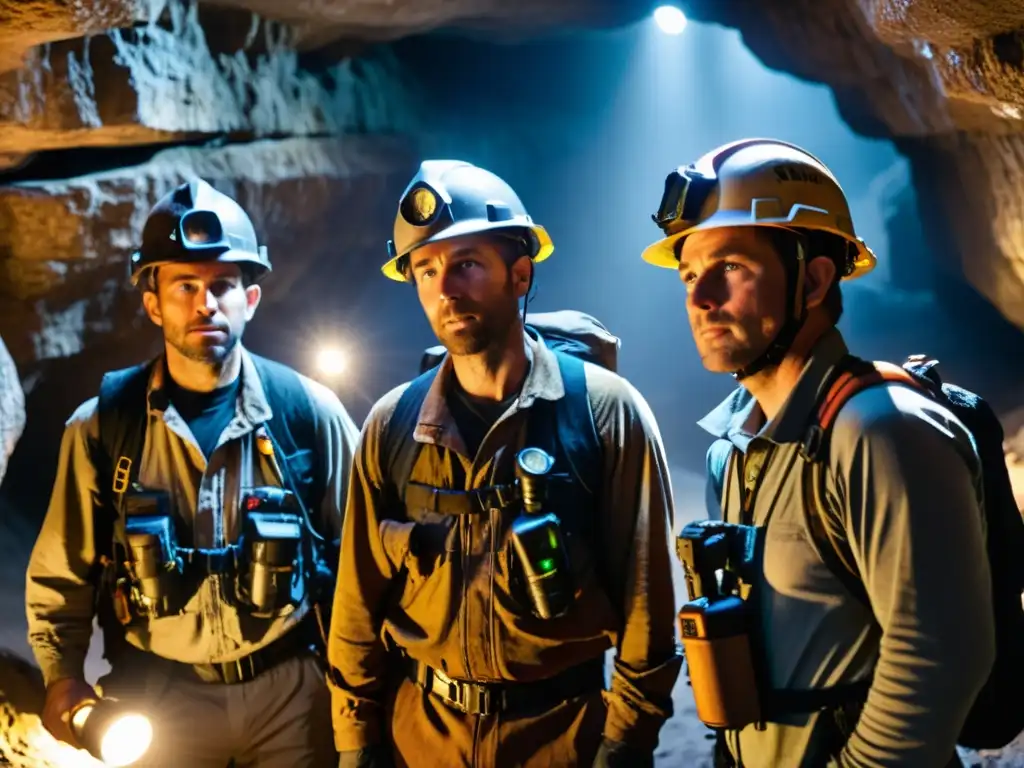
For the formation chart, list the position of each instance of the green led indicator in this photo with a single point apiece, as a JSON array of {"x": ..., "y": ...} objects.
[{"x": 545, "y": 565}]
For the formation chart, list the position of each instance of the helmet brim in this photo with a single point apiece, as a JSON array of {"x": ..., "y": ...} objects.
[
  {"x": 473, "y": 227},
  {"x": 260, "y": 267},
  {"x": 662, "y": 253}
]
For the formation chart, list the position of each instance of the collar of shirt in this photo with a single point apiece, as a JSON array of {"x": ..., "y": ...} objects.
[
  {"x": 436, "y": 425},
  {"x": 253, "y": 406},
  {"x": 737, "y": 417}
]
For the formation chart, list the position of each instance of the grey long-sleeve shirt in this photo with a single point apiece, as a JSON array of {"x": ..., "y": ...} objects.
[
  {"x": 906, "y": 476},
  {"x": 205, "y": 496}
]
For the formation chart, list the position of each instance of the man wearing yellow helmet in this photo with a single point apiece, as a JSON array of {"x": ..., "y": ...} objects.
[
  {"x": 497, "y": 593},
  {"x": 855, "y": 671}
]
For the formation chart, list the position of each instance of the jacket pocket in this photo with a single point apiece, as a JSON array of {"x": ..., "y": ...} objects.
[
  {"x": 418, "y": 551},
  {"x": 591, "y": 601}
]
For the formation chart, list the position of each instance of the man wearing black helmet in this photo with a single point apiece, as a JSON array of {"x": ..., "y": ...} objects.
[
  {"x": 481, "y": 585},
  {"x": 196, "y": 508}
]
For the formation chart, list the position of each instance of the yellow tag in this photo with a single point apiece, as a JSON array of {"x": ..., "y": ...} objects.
[{"x": 264, "y": 445}]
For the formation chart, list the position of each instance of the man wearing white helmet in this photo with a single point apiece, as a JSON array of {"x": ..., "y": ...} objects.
[
  {"x": 478, "y": 594},
  {"x": 195, "y": 513},
  {"x": 874, "y": 670}
]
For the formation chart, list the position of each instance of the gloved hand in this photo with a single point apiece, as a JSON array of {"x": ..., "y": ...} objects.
[
  {"x": 616, "y": 754},
  {"x": 62, "y": 696},
  {"x": 376, "y": 756}
]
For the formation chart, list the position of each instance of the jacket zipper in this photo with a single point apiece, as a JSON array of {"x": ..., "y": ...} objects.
[{"x": 465, "y": 523}]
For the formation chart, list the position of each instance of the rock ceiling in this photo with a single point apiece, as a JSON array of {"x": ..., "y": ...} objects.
[
  {"x": 224, "y": 86},
  {"x": 945, "y": 80}
]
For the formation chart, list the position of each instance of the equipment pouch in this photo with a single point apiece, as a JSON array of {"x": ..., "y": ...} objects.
[
  {"x": 720, "y": 661},
  {"x": 154, "y": 568},
  {"x": 715, "y": 625},
  {"x": 543, "y": 559},
  {"x": 271, "y": 577}
]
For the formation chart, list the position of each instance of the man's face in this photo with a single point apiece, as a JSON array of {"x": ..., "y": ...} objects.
[
  {"x": 202, "y": 308},
  {"x": 468, "y": 292},
  {"x": 735, "y": 295}
]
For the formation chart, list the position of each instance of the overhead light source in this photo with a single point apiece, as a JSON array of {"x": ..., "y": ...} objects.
[
  {"x": 670, "y": 19},
  {"x": 331, "y": 362}
]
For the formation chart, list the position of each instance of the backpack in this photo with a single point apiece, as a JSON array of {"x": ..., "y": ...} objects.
[
  {"x": 565, "y": 427},
  {"x": 997, "y": 715},
  {"x": 122, "y": 414}
]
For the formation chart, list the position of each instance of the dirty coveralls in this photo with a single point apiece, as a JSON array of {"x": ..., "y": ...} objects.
[
  {"x": 472, "y": 627},
  {"x": 280, "y": 718},
  {"x": 904, "y": 473}
]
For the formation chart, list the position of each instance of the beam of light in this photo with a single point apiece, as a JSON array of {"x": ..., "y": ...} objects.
[{"x": 670, "y": 19}]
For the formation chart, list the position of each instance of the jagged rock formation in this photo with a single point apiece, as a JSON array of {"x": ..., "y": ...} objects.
[
  {"x": 288, "y": 107},
  {"x": 945, "y": 80},
  {"x": 12, "y": 407},
  {"x": 292, "y": 188},
  {"x": 191, "y": 75},
  {"x": 24, "y": 743}
]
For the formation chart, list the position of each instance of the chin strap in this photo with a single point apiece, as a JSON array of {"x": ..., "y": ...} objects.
[
  {"x": 780, "y": 345},
  {"x": 527, "y": 297}
]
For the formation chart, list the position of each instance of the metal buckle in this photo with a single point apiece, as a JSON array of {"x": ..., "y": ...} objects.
[
  {"x": 811, "y": 444},
  {"x": 471, "y": 698},
  {"x": 479, "y": 700},
  {"x": 121, "y": 474},
  {"x": 454, "y": 697},
  {"x": 241, "y": 670},
  {"x": 246, "y": 668},
  {"x": 466, "y": 697}
]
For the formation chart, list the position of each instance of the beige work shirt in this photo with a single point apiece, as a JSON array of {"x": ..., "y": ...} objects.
[
  {"x": 905, "y": 474},
  {"x": 205, "y": 494},
  {"x": 455, "y": 609}
]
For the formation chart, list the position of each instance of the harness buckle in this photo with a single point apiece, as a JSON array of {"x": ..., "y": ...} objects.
[{"x": 122, "y": 474}]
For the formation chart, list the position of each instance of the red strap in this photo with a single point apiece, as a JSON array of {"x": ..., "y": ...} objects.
[{"x": 849, "y": 383}]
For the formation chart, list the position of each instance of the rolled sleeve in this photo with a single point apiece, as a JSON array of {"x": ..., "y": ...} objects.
[
  {"x": 356, "y": 653},
  {"x": 638, "y": 525},
  {"x": 59, "y": 592}
]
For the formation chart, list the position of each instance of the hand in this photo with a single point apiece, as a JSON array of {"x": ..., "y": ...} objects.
[
  {"x": 615, "y": 754},
  {"x": 62, "y": 696},
  {"x": 375, "y": 756}
]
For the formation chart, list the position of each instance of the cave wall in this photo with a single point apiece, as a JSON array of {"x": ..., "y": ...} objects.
[
  {"x": 106, "y": 104},
  {"x": 303, "y": 113},
  {"x": 945, "y": 81}
]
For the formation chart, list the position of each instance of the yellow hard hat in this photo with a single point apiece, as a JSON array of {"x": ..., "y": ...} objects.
[
  {"x": 755, "y": 182},
  {"x": 451, "y": 198}
]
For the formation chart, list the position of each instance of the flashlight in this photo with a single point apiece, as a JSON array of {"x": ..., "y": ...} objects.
[
  {"x": 537, "y": 538},
  {"x": 111, "y": 733}
]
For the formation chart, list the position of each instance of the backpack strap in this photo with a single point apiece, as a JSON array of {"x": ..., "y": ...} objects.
[
  {"x": 576, "y": 429},
  {"x": 822, "y": 515},
  {"x": 293, "y": 425},
  {"x": 398, "y": 451},
  {"x": 576, "y": 435},
  {"x": 122, "y": 411}
]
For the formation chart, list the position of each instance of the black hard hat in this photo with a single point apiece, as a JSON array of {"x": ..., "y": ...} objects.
[{"x": 194, "y": 222}]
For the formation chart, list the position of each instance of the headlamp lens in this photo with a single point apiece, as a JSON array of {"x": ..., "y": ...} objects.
[
  {"x": 420, "y": 206},
  {"x": 201, "y": 228}
]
